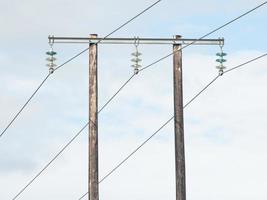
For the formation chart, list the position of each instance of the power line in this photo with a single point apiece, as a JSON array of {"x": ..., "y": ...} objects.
[
  {"x": 129, "y": 81},
  {"x": 49, "y": 163},
  {"x": 122, "y": 162},
  {"x": 131, "y": 154},
  {"x": 241, "y": 65},
  {"x": 211, "y": 82},
  {"x": 169, "y": 120},
  {"x": 69, "y": 60},
  {"x": 211, "y": 32},
  {"x": 127, "y": 22},
  {"x": 69, "y": 143},
  {"x": 157, "y": 61},
  {"x": 22, "y": 108},
  {"x": 116, "y": 93},
  {"x": 149, "y": 138}
]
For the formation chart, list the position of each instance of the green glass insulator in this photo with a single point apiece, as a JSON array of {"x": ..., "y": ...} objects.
[
  {"x": 51, "y": 53},
  {"x": 221, "y": 54},
  {"x": 136, "y": 54},
  {"x": 221, "y": 60}
]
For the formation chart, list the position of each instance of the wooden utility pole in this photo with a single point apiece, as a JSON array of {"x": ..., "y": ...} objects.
[
  {"x": 93, "y": 123},
  {"x": 179, "y": 122}
]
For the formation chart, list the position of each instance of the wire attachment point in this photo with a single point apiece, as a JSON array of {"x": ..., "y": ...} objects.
[
  {"x": 51, "y": 59},
  {"x": 221, "y": 60},
  {"x": 136, "y": 60}
]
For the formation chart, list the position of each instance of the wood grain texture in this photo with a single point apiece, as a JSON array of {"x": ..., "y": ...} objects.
[
  {"x": 93, "y": 124},
  {"x": 179, "y": 123}
]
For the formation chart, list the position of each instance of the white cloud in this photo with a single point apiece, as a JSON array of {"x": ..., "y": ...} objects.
[{"x": 219, "y": 145}]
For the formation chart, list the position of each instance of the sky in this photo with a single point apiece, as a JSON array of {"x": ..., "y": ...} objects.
[{"x": 225, "y": 140}]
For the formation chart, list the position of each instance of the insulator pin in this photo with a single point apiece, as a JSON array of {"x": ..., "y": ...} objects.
[
  {"x": 136, "y": 60},
  {"x": 221, "y": 60},
  {"x": 51, "y": 59}
]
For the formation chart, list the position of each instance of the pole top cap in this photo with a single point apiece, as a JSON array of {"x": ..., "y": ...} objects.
[
  {"x": 178, "y": 36},
  {"x": 93, "y": 35}
]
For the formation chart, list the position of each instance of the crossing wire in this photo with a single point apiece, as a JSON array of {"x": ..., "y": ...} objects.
[
  {"x": 144, "y": 69},
  {"x": 69, "y": 60},
  {"x": 69, "y": 143},
  {"x": 169, "y": 120},
  {"x": 139, "y": 147},
  {"x": 157, "y": 61},
  {"x": 130, "y": 20},
  {"x": 211, "y": 32}
]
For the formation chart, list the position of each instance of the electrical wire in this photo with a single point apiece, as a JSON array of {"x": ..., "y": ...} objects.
[
  {"x": 146, "y": 68},
  {"x": 127, "y": 22},
  {"x": 113, "y": 96},
  {"x": 211, "y": 32},
  {"x": 22, "y": 108},
  {"x": 157, "y": 61},
  {"x": 79, "y": 132},
  {"x": 169, "y": 120},
  {"x": 48, "y": 164},
  {"x": 131, "y": 154},
  {"x": 139, "y": 147},
  {"x": 149, "y": 138},
  {"x": 241, "y": 65},
  {"x": 69, "y": 60},
  {"x": 211, "y": 82},
  {"x": 69, "y": 143}
]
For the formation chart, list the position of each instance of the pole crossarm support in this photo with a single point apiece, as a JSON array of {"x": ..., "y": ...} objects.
[{"x": 182, "y": 41}]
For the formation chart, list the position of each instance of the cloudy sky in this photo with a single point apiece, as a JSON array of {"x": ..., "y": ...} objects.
[{"x": 225, "y": 128}]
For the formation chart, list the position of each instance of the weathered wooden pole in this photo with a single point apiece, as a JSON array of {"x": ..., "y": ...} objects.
[
  {"x": 93, "y": 123},
  {"x": 179, "y": 122}
]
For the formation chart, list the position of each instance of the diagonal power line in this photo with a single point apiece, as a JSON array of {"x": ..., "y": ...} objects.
[
  {"x": 127, "y": 22},
  {"x": 157, "y": 61},
  {"x": 211, "y": 32},
  {"x": 72, "y": 58},
  {"x": 49, "y": 163},
  {"x": 169, "y": 120},
  {"x": 69, "y": 143},
  {"x": 129, "y": 81},
  {"x": 69, "y": 60},
  {"x": 22, "y": 108}
]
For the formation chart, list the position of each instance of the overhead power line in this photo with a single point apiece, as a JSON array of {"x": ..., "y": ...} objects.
[
  {"x": 69, "y": 143},
  {"x": 69, "y": 60},
  {"x": 127, "y": 22},
  {"x": 49, "y": 163},
  {"x": 211, "y": 32},
  {"x": 22, "y": 108},
  {"x": 139, "y": 147},
  {"x": 199, "y": 93},
  {"x": 157, "y": 61},
  {"x": 243, "y": 64},
  {"x": 146, "y": 68},
  {"x": 169, "y": 120},
  {"x": 116, "y": 93}
]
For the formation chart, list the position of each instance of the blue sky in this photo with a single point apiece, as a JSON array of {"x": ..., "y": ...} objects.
[{"x": 224, "y": 128}]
